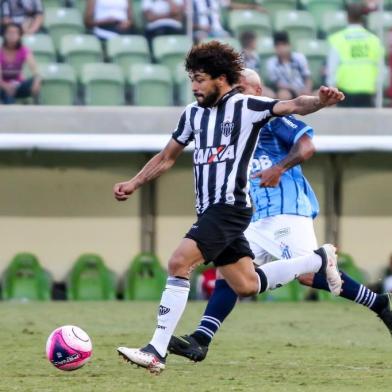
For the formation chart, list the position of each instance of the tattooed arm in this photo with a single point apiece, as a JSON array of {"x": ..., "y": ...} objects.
[
  {"x": 306, "y": 104},
  {"x": 300, "y": 152}
]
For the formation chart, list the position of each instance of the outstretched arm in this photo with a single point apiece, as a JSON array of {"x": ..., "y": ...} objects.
[
  {"x": 154, "y": 168},
  {"x": 300, "y": 152},
  {"x": 306, "y": 104}
]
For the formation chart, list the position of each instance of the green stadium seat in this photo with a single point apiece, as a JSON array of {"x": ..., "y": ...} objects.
[
  {"x": 333, "y": 21},
  {"x": 126, "y": 50},
  {"x": 273, "y": 6},
  {"x": 375, "y": 19},
  {"x": 103, "y": 84},
  {"x": 183, "y": 86},
  {"x": 249, "y": 20},
  {"x": 91, "y": 280},
  {"x": 226, "y": 40},
  {"x": 25, "y": 279},
  {"x": 61, "y": 22},
  {"x": 292, "y": 292},
  {"x": 316, "y": 53},
  {"x": 145, "y": 278},
  {"x": 42, "y": 47},
  {"x": 80, "y": 49},
  {"x": 319, "y": 7},
  {"x": 80, "y": 5},
  {"x": 52, "y": 3},
  {"x": 171, "y": 49},
  {"x": 298, "y": 24},
  {"x": 346, "y": 263},
  {"x": 58, "y": 84},
  {"x": 151, "y": 85}
]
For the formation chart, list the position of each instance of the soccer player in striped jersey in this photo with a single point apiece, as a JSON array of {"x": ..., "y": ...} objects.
[
  {"x": 224, "y": 126},
  {"x": 282, "y": 223}
]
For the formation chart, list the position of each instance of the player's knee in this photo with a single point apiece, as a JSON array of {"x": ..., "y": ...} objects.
[
  {"x": 180, "y": 265},
  {"x": 306, "y": 279}
]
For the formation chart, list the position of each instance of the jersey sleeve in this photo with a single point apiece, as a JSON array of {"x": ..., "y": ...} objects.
[
  {"x": 289, "y": 129},
  {"x": 261, "y": 108},
  {"x": 183, "y": 134}
]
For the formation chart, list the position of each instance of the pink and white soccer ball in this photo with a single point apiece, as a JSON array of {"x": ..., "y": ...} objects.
[{"x": 68, "y": 348}]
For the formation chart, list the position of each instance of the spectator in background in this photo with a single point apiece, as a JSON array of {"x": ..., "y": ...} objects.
[
  {"x": 248, "y": 41},
  {"x": 206, "y": 283},
  {"x": 13, "y": 56},
  {"x": 207, "y": 19},
  {"x": 163, "y": 17},
  {"x": 288, "y": 71},
  {"x": 353, "y": 63},
  {"x": 27, "y": 13},
  {"x": 108, "y": 18}
]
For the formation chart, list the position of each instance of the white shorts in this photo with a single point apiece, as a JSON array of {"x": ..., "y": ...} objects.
[{"x": 281, "y": 237}]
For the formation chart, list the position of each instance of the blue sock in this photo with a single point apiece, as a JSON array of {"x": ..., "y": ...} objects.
[
  {"x": 219, "y": 306},
  {"x": 353, "y": 291}
]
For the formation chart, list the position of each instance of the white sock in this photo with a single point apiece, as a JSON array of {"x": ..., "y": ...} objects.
[
  {"x": 170, "y": 310},
  {"x": 281, "y": 272}
]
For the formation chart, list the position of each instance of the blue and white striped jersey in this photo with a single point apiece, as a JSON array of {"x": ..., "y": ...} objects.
[{"x": 294, "y": 195}]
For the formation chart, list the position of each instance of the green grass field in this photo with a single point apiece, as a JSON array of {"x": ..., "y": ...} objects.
[{"x": 262, "y": 347}]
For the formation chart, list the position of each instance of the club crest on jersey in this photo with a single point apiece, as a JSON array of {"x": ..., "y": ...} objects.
[
  {"x": 227, "y": 128},
  {"x": 209, "y": 155}
]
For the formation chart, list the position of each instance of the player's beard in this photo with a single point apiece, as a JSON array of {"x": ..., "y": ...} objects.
[{"x": 210, "y": 99}]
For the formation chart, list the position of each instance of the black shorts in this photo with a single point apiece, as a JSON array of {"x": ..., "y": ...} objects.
[{"x": 219, "y": 234}]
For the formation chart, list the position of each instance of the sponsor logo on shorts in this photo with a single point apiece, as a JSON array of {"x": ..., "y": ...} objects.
[{"x": 282, "y": 233}]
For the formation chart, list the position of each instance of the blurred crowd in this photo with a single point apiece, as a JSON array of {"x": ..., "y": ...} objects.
[{"x": 287, "y": 74}]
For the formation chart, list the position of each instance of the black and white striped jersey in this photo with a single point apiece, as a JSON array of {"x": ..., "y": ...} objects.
[{"x": 225, "y": 138}]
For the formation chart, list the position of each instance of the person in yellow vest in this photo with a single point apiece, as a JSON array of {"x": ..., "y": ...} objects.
[{"x": 353, "y": 63}]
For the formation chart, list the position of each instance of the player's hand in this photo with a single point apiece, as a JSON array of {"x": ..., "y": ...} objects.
[
  {"x": 330, "y": 96},
  {"x": 123, "y": 190},
  {"x": 270, "y": 178}
]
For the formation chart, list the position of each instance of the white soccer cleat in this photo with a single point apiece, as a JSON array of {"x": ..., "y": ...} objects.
[
  {"x": 334, "y": 279},
  {"x": 142, "y": 358}
]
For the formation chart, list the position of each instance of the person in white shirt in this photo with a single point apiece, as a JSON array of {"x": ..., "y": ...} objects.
[
  {"x": 108, "y": 18},
  {"x": 163, "y": 17}
]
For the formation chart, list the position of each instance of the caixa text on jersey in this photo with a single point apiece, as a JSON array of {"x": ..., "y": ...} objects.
[{"x": 202, "y": 156}]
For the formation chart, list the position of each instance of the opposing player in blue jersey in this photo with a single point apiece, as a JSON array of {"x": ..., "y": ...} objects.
[{"x": 282, "y": 224}]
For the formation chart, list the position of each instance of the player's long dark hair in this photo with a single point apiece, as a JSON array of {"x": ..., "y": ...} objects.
[{"x": 215, "y": 59}]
